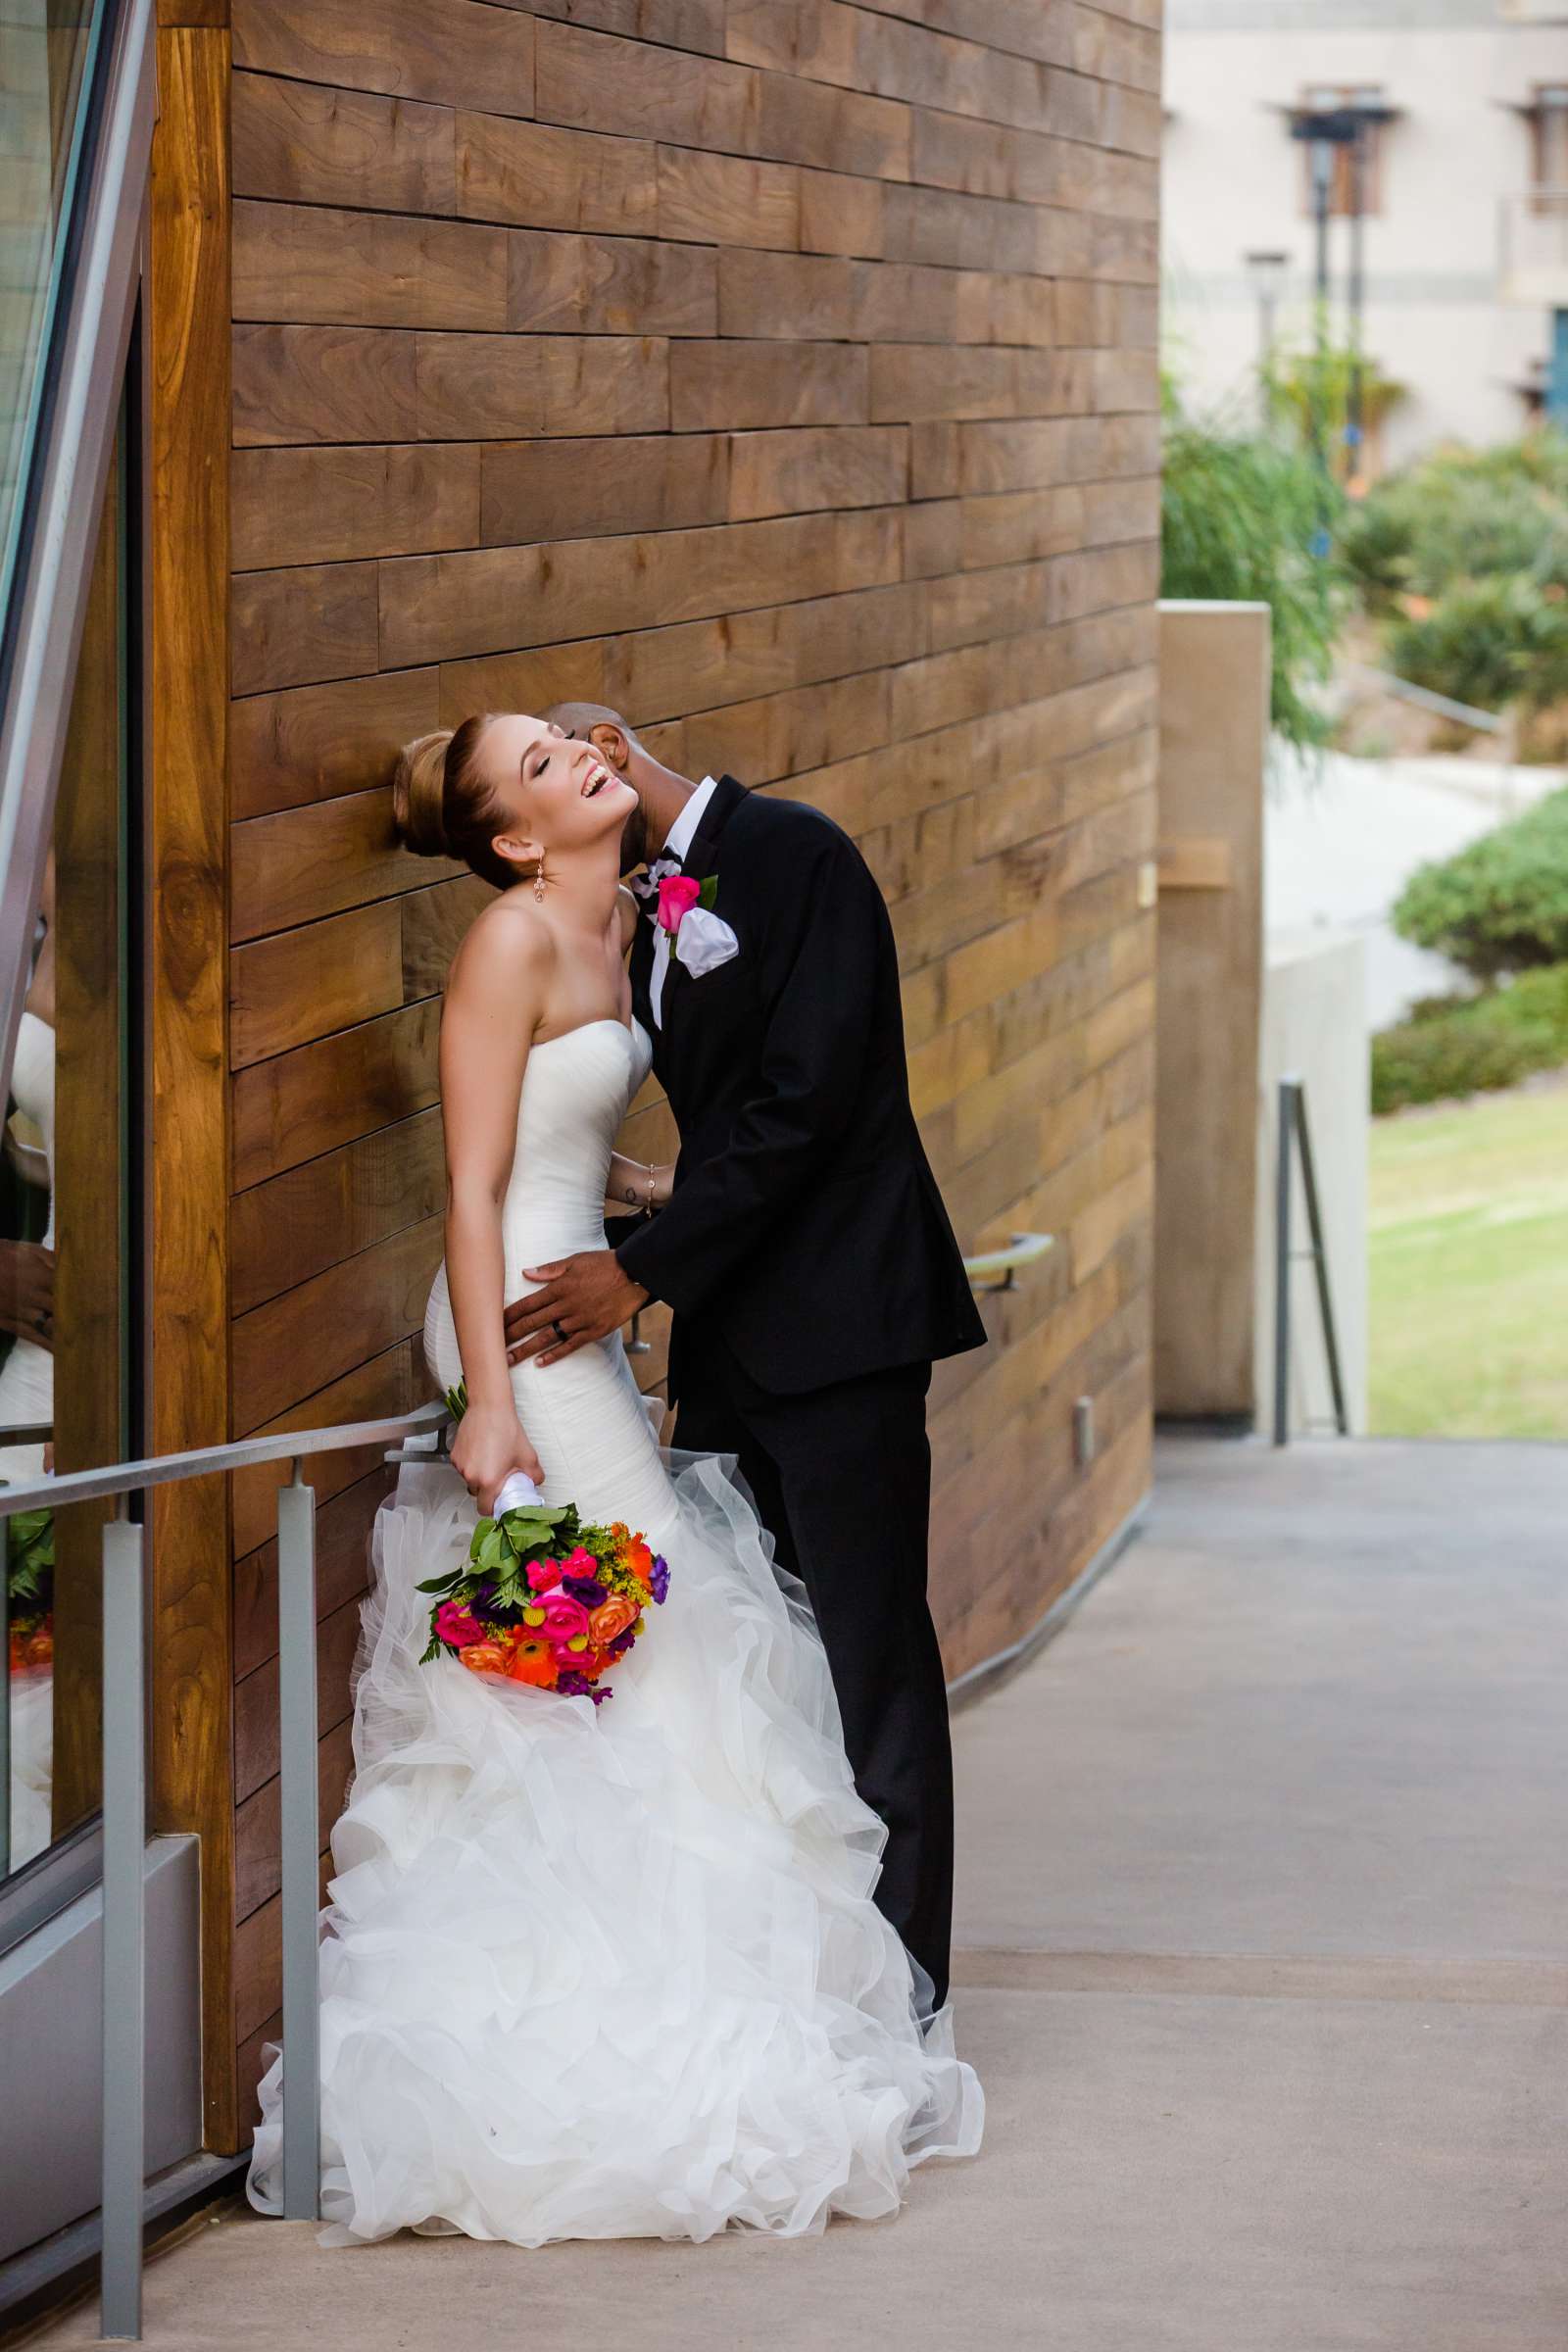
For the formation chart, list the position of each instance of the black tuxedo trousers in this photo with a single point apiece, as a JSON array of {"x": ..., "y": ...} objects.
[
  {"x": 814, "y": 1280},
  {"x": 841, "y": 1478}
]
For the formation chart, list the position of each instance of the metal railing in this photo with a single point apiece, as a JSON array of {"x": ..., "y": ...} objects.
[
  {"x": 1294, "y": 1135},
  {"x": 993, "y": 1271},
  {"x": 125, "y": 1814}
]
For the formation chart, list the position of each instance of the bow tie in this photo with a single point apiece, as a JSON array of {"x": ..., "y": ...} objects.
[{"x": 646, "y": 886}]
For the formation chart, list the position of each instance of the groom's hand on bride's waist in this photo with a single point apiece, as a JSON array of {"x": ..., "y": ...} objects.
[{"x": 583, "y": 1299}]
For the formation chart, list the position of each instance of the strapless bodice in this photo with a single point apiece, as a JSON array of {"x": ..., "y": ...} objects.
[
  {"x": 577, "y": 1089},
  {"x": 575, "y": 1093}
]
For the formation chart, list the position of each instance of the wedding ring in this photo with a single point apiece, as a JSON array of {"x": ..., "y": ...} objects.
[{"x": 560, "y": 1330}]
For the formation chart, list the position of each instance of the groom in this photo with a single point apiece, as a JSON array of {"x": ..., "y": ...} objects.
[{"x": 806, "y": 1252}]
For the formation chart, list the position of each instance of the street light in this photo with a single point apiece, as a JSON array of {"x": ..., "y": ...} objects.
[{"x": 1265, "y": 274}]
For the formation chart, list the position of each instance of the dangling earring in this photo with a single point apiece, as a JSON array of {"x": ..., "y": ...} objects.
[{"x": 539, "y": 884}]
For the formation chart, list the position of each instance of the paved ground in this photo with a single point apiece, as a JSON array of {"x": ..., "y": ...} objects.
[
  {"x": 1342, "y": 837},
  {"x": 1264, "y": 1908}
]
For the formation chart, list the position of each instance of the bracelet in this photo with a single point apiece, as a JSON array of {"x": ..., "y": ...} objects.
[{"x": 652, "y": 1187}]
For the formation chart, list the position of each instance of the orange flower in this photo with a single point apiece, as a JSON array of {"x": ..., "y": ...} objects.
[
  {"x": 41, "y": 1650},
  {"x": 641, "y": 1561},
  {"x": 611, "y": 1617},
  {"x": 534, "y": 1662},
  {"x": 483, "y": 1657}
]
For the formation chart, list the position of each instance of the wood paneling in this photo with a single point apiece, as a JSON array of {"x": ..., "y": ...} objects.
[
  {"x": 187, "y": 1274},
  {"x": 785, "y": 375}
]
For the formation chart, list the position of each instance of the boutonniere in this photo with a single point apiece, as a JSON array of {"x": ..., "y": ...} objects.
[
  {"x": 678, "y": 894},
  {"x": 698, "y": 939}
]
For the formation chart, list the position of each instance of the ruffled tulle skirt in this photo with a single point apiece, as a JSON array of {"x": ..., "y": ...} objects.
[{"x": 614, "y": 1973}]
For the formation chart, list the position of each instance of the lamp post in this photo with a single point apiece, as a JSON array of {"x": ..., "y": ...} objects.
[{"x": 1265, "y": 273}]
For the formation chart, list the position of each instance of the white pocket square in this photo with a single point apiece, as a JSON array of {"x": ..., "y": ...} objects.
[{"x": 705, "y": 940}]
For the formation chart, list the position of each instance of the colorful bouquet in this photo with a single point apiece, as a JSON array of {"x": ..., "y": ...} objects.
[{"x": 546, "y": 1598}]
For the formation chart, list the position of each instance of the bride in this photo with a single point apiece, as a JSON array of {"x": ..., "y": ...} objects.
[{"x": 608, "y": 1972}]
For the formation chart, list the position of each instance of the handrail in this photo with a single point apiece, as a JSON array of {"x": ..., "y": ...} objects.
[
  {"x": 125, "y": 1814},
  {"x": 1294, "y": 1132},
  {"x": 241, "y": 1453},
  {"x": 1024, "y": 1249}
]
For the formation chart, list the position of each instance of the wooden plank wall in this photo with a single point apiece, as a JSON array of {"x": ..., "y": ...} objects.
[{"x": 784, "y": 373}]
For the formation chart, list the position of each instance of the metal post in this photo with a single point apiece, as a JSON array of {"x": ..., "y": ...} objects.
[
  {"x": 300, "y": 1847},
  {"x": 1320, "y": 1263},
  {"x": 1290, "y": 1089},
  {"x": 125, "y": 1991},
  {"x": 1354, "y": 403}
]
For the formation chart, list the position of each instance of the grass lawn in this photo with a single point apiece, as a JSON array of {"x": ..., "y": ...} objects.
[{"x": 1469, "y": 1268}]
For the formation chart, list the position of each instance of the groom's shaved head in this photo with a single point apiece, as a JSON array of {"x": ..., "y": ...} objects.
[{"x": 581, "y": 718}]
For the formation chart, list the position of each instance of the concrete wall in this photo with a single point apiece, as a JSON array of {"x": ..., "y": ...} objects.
[
  {"x": 51, "y": 2050},
  {"x": 1213, "y": 739},
  {"x": 1315, "y": 1027},
  {"x": 1434, "y": 317}
]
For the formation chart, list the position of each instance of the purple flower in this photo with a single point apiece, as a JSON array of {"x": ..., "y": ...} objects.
[
  {"x": 658, "y": 1582},
  {"x": 623, "y": 1642},
  {"x": 577, "y": 1686},
  {"x": 585, "y": 1588}
]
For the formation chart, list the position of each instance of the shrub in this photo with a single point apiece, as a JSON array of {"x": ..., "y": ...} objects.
[
  {"x": 1459, "y": 516},
  {"x": 1500, "y": 904},
  {"x": 1489, "y": 640},
  {"x": 1452, "y": 1045},
  {"x": 1241, "y": 514}
]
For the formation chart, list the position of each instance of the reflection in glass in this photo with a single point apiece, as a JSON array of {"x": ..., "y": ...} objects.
[
  {"x": 63, "y": 1235},
  {"x": 44, "y": 47}
]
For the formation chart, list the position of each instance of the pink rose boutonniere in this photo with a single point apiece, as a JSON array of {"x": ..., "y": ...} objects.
[
  {"x": 678, "y": 894},
  {"x": 699, "y": 938}
]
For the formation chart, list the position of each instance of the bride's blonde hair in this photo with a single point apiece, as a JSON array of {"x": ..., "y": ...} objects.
[{"x": 442, "y": 807}]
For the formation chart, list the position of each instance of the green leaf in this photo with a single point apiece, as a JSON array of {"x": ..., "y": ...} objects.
[
  {"x": 439, "y": 1583},
  {"x": 708, "y": 895}
]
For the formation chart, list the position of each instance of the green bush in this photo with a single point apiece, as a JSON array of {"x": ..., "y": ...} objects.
[
  {"x": 1462, "y": 515},
  {"x": 1240, "y": 516},
  {"x": 1500, "y": 904},
  {"x": 1491, "y": 641},
  {"x": 1452, "y": 1045}
]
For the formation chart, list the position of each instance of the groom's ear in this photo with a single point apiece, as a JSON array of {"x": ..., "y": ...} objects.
[{"x": 612, "y": 745}]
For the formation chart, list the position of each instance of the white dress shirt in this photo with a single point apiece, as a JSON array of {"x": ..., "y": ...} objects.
[{"x": 682, "y": 833}]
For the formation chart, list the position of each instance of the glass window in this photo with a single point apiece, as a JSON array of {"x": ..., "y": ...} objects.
[
  {"x": 1331, "y": 98},
  {"x": 68, "y": 1213},
  {"x": 45, "y": 51}
]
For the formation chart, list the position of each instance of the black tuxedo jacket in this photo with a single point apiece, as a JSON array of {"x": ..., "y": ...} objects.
[{"x": 806, "y": 1228}]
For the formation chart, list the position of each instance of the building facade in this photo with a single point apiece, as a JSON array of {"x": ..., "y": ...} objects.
[
  {"x": 785, "y": 374},
  {"x": 1465, "y": 201}
]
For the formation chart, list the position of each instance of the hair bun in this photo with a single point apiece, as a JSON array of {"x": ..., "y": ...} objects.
[{"x": 418, "y": 795}]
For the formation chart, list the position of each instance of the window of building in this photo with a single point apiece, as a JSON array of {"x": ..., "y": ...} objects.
[
  {"x": 1339, "y": 99},
  {"x": 1548, "y": 142}
]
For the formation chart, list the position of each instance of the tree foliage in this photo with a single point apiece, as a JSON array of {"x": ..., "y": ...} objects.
[{"x": 1243, "y": 512}]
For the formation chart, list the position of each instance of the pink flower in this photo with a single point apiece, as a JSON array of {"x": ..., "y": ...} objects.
[
  {"x": 564, "y": 1618},
  {"x": 458, "y": 1625},
  {"x": 581, "y": 1563},
  {"x": 678, "y": 894},
  {"x": 543, "y": 1575}
]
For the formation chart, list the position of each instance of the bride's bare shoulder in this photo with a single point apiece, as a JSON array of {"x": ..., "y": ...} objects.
[
  {"x": 626, "y": 912},
  {"x": 508, "y": 945}
]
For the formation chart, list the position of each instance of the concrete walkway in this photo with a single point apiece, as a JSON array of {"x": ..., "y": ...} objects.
[{"x": 1264, "y": 1916}]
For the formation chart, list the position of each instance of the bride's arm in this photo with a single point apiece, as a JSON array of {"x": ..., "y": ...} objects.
[
  {"x": 494, "y": 998},
  {"x": 634, "y": 1186}
]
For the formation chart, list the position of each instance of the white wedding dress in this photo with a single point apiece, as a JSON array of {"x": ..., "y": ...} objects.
[{"x": 612, "y": 1972}]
